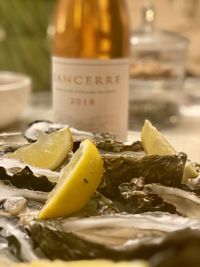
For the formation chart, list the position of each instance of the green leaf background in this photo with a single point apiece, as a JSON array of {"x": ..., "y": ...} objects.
[{"x": 24, "y": 45}]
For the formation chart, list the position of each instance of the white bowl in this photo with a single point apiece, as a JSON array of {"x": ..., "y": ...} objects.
[{"x": 14, "y": 96}]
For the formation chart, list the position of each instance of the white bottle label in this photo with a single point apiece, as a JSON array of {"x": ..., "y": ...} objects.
[{"x": 91, "y": 95}]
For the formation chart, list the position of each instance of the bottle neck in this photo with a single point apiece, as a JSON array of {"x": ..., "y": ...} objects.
[{"x": 91, "y": 29}]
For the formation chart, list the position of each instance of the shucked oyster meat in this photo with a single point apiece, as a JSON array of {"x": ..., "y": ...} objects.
[{"x": 186, "y": 203}]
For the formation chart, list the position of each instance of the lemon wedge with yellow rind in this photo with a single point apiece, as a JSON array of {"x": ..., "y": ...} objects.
[
  {"x": 155, "y": 143},
  {"x": 82, "y": 263},
  {"x": 77, "y": 183},
  {"x": 48, "y": 152}
]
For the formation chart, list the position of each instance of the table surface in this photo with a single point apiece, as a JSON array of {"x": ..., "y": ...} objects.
[{"x": 185, "y": 136}]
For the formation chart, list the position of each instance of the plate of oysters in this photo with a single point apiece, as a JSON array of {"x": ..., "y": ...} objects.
[{"x": 73, "y": 198}]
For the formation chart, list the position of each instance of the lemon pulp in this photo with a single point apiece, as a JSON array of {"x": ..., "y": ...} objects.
[{"x": 154, "y": 142}]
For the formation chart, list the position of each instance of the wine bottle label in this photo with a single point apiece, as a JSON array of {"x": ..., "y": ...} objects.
[{"x": 91, "y": 95}]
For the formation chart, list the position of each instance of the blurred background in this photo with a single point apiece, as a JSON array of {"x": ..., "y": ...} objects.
[
  {"x": 24, "y": 46},
  {"x": 161, "y": 59},
  {"x": 182, "y": 16}
]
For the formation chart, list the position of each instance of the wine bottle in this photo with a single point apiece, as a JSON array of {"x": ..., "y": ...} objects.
[{"x": 90, "y": 65}]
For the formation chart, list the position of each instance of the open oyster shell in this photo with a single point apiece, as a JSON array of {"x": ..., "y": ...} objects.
[
  {"x": 15, "y": 244},
  {"x": 186, "y": 203},
  {"x": 23, "y": 188},
  {"x": 14, "y": 170},
  {"x": 114, "y": 237},
  {"x": 166, "y": 170}
]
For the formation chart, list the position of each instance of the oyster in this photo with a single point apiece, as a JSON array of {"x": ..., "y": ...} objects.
[
  {"x": 137, "y": 199},
  {"x": 41, "y": 126},
  {"x": 9, "y": 142},
  {"x": 26, "y": 176},
  {"x": 15, "y": 244},
  {"x": 113, "y": 237},
  {"x": 186, "y": 203},
  {"x": 149, "y": 236},
  {"x": 110, "y": 144},
  {"x": 166, "y": 170},
  {"x": 106, "y": 142},
  {"x": 8, "y": 191},
  {"x": 23, "y": 188},
  {"x": 180, "y": 248}
]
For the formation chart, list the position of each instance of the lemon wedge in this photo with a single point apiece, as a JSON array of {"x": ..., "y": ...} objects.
[
  {"x": 155, "y": 143},
  {"x": 82, "y": 263},
  {"x": 48, "y": 152},
  {"x": 78, "y": 181}
]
